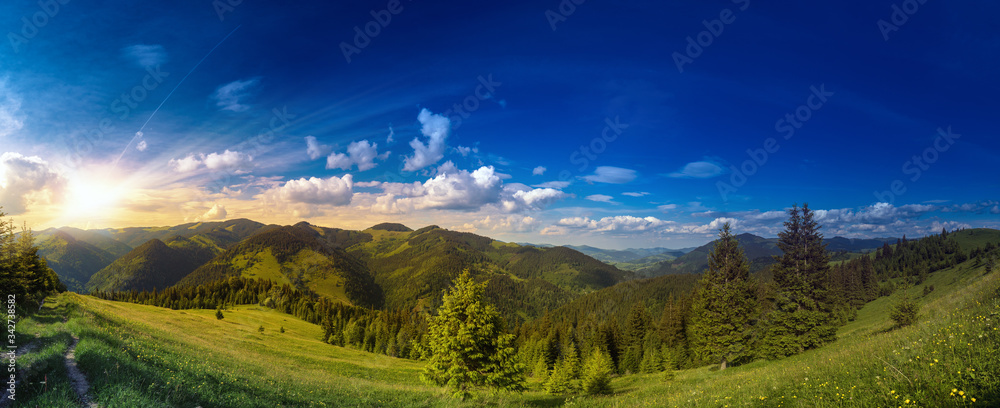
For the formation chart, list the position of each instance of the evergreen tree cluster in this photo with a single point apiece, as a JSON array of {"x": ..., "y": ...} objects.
[{"x": 23, "y": 273}]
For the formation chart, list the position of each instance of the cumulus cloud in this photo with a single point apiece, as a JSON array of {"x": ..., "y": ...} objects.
[
  {"x": 538, "y": 171},
  {"x": 457, "y": 189},
  {"x": 519, "y": 197},
  {"x": 216, "y": 213},
  {"x": 314, "y": 149},
  {"x": 232, "y": 96},
  {"x": 145, "y": 55},
  {"x": 611, "y": 175},
  {"x": 336, "y": 191},
  {"x": 620, "y": 223},
  {"x": 436, "y": 128},
  {"x": 237, "y": 162},
  {"x": 600, "y": 198},
  {"x": 361, "y": 154},
  {"x": 142, "y": 146},
  {"x": 501, "y": 223},
  {"x": 27, "y": 180},
  {"x": 698, "y": 169}
]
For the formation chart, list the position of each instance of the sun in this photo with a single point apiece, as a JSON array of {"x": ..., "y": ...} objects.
[{"x": 91, "y": 197}]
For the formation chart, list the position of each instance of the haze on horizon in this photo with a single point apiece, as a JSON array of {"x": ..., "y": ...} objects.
[{"x": 607, "y": 124}]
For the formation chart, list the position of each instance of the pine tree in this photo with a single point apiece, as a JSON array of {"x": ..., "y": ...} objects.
[
  {"x": 725, "y": 305},
  {"x": 468, "y": 345},
  {"x": 218, "y": 314},
  {"x": 596, "y": 376},
  {"x": 803, "y": 314},
  {"x": 559, "y": 381}
]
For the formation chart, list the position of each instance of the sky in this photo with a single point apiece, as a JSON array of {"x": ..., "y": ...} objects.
[{"x": 612, "y": 124}]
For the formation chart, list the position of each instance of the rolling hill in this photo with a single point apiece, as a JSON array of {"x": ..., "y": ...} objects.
[
  {"x": 302, "y": 256},
  {"x": 74, "y": 261},
  {"x": 152, "y": 265}
]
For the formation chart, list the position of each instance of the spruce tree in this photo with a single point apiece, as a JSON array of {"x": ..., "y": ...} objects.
[
  {"x": 725, "y": 305},
  {"x": 596, "y": 375},
  {"x": 803, "y": 315},
  {"x": 559, "y": 382},
  {"x": 468, "y": 345}
]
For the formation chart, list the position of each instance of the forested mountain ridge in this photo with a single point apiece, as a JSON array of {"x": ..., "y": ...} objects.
[
  {"x": 76, "y": 255},
  {"x": 152, "y": 265}
]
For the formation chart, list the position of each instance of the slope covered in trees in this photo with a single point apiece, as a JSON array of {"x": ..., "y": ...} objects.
[
  {"x": 74, "y": 261},
  {"x": 152, "y": 265},
  {"x": 299, "y": 256}
]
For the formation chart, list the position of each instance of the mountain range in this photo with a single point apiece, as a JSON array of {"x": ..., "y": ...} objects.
[{"x": 388, "y": 265}]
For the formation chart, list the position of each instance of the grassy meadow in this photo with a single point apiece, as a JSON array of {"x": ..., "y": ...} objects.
[{"x": 135, "y": 355}]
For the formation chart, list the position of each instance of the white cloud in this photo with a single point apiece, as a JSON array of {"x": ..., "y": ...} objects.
[
  {"x": 611, "y": 175},
  {"x": 336, "y": 191},
  {"x": 636, "y": 194},
  {"x": 499, "y": 223},
  {"x": 389, "y": 139},
  {"x": 142, "y": 146},
  {"x": 667, "y": 207},
  {"x": 519, "y": 197},
  {"x": 232, "y": 96},
  {"x": 436, "y": 128},
  {"x": 216, "y": 213},
  {"x": 621, "y": 223},
  {"x": 145, "y": 55},
  {"x": 27, "y": 180},
  {"x": 699, "y": 169},
  {"x": 465, "y": 151},
  {"x": 455, "y": 189},
  {"x": 600, "y": 198},
  {"x": 235, "y": 161},
  {"x": 314, "y": 149},
  {"x": 228, "y": 160},
  {"x": 553, "y": 184},
  {"x": 189, "y": 163},
  {"x": 361, "y": 154},
  {"x": 538, "y": 171}
]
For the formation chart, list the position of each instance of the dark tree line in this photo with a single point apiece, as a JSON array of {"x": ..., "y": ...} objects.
[{"x": 23, "y": 273}]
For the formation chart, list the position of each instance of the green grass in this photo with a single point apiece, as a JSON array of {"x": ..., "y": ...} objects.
[{"x": 137, "y": 355}]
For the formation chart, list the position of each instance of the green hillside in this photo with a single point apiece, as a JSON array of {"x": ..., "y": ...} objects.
[
  {"x": 74, "y": 261},
  {"x": 137, "y": 355},
  {"x": 152, "y": 265},
  {"x": 414, "y": 267},
  {"x": 300, "y": 255}
]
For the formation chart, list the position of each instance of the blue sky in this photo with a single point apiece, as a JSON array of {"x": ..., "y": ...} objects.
[{"x": 599, "y": 123}]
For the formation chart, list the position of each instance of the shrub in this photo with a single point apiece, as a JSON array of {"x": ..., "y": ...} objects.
[
  {"x": 261, "y": 328},
  {"x": 218, "y": 314},
  {"x": 904, "y": 312}
]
